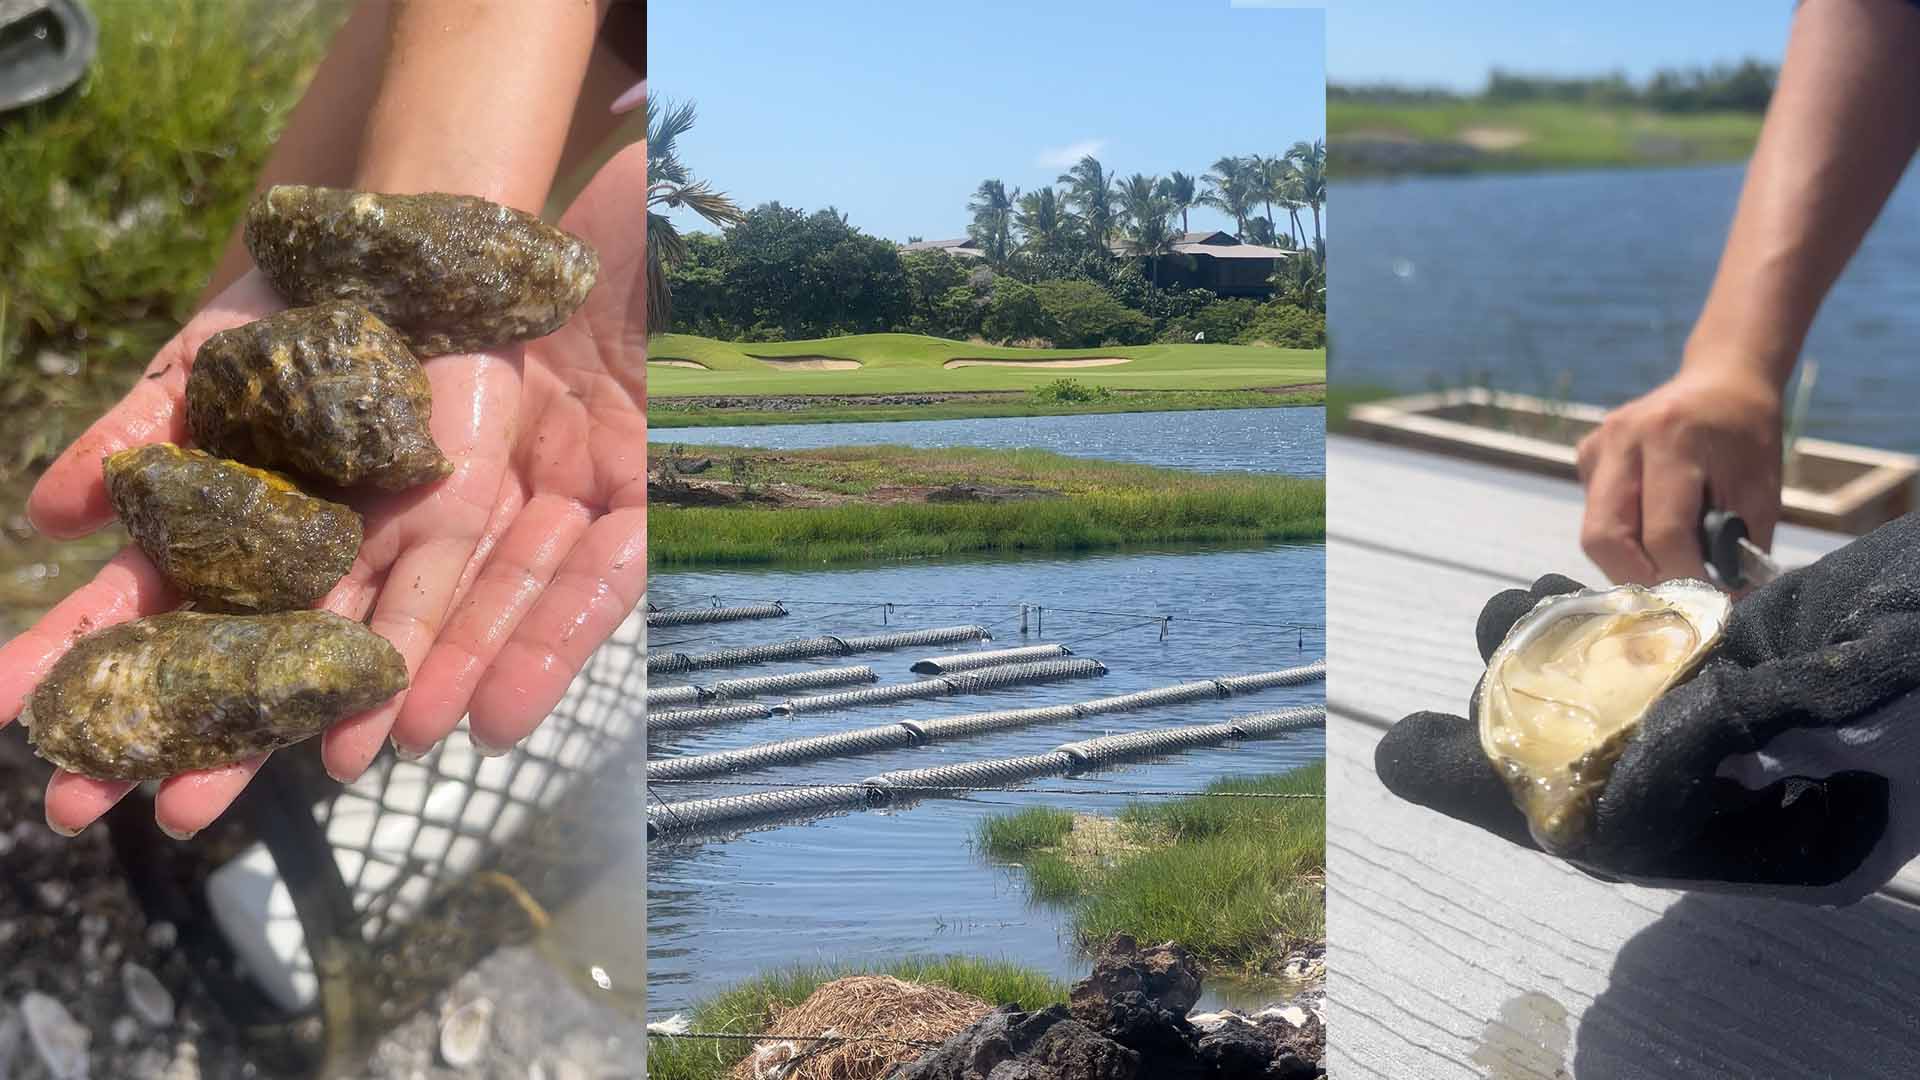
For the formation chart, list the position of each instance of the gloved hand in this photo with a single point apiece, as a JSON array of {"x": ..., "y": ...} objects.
[{"x": 1788, "y": 766}]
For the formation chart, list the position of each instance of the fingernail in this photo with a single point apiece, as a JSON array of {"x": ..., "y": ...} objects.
[
  {"x": 173, "y": 833},
  {"x": 484, "y": 750},
  {"x": 630, "y": 100},
  {"x": 405, "y": 754},
  {"x": 62, "y": 831}
]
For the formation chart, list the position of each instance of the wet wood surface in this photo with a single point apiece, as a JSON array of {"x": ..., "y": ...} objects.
[{"x": 1455, "y": 954}]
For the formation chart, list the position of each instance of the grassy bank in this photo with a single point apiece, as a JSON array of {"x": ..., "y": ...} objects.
[
  {"x": 718, "y": 506},
  {"x": 690, "y": 412},
  {"x": 915, "y": 364},
  {"x": 1478, "y": 136},
  {"x": 1236, "y": 881},
  {"x": 749, "y": 1007}
]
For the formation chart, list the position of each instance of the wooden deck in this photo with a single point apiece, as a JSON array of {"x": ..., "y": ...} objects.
[{"x": 1454, "y": 954}]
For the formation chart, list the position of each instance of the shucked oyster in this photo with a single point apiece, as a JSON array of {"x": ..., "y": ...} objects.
[
  {"x": 229, "y": 536},
  {"x": 328, "y": 392},
  {"x": 1568, "y": 687},
  {"x": 451, "y": 273},
  {"x": 156, "y": 696}
]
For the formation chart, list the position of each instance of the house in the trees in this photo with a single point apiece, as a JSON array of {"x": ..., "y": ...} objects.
[
  {"x": 959, "y": 249},
  {"x": 1218, "y": 262}
]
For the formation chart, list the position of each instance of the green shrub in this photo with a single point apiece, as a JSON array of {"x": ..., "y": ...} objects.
[
  {"x": 1222, "y": 321},
  {"x": 1081, "y": 314},
  {"x": 1068, "y": 392},
  {"x": 1013, "y": 312},
  {"x": 957, "y": 312},
  {"x": 1284, "y": 325}
]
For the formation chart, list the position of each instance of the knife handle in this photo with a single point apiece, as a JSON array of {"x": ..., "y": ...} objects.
[{"x": 1720, "y": 534}]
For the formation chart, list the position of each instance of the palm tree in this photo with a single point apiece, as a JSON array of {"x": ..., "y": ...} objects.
[
  {"x": 1090, "y": 191},
  {"x": 1310, "y": 163},
  {"x": 1182, "y": 192},
  {"x": 1043, "y": 223},
  {"x": 1270, "y": 176},
  {"x": 1148, "y": 216},
  {"x": 992, "y": 228},
  {"x": 1137, "y": 195},
  {"x": 1302, "y": 280},
  {"x": 1231, "y": 189},
  {"x": 670, "y": 184}
]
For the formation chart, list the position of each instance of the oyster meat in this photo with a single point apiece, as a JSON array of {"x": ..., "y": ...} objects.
[
  {"x": 1567, "y": 689},
  {"x": 329, "y": 392},
  {"x": 451, "y": 273},
  {"x": 157, "y": 696},
  {"x": 231, "y": 537}
]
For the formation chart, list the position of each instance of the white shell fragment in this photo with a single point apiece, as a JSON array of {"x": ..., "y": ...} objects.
[
  {"x": 1570, "y": 684},
  {"x": 57, "y": 1038},
  {"x": 147, "y": 997},
  {"x": 463, "y": 1036}
]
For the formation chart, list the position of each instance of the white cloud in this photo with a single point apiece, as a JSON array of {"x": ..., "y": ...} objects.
[{"x": 1064, "y": 157}]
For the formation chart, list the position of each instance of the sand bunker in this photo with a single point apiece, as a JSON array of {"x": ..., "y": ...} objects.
[
  {"x": 681, "y": 363},
  {"x": 1086, "y": 361},
  {"x": 809, "y": 363},
  {"x": 1494, "y": 139}
]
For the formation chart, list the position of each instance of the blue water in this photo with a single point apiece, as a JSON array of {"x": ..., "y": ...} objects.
[
  {"x": 1585, "y": 285},
  {"x": 1290, "y": 440}
]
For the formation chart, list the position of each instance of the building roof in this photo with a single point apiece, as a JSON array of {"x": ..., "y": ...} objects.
[
  {"x": 1216, "y": 244},
  {"x": 963, "y": 247}
]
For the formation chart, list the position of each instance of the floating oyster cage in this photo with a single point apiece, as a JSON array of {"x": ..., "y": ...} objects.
[{"x": 1829, "y": 485}]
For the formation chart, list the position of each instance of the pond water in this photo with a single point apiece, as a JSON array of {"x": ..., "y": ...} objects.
[
  {"x": 1584, "y": 285},
  {"x": 1289, "y": 440},
  {"x": 868, "y": 887}
]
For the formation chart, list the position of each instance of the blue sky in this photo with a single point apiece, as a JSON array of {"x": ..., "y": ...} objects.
[
  {"x": 1430, "y": 42},
  {"x": 895, "y": 113}
]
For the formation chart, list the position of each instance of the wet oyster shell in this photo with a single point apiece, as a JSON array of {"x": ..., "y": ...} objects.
[
  {"x": 328, "y": 392},
  {"x": 1567, "y": 688},
  {"x": 157, "y": 696},
  {"x": 229, "y": 536},
  {"x": 451, "y": 273}
]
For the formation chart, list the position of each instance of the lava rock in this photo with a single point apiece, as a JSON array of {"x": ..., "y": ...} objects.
[
  {"x": 1165, "y": 973},
  {"x": 231, "y": 537},
  {"x": 451, "y": 273},
  {"x": 157, "y": 696},
  {"x": 1008, "y": 1044},
  {"x": 328, "y": 392}
]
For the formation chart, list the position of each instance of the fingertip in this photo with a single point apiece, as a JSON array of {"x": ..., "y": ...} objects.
[
  {"x": 191, "y": 801},
  {"x": 348, "y": 748},
  {"x": 75, "y": 802}
]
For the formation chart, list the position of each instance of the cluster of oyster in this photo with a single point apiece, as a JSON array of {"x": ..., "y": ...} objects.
[
  {"x": 1568, "y": 687},
  {"x": 331, "y": 393}
]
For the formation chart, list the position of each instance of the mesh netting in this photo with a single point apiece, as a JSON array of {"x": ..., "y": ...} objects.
[
  {"x": 690, "y": 616},
  {"x": 808, "y": 648},
  {"x": 1245, "y": 684},
  {"x": 1098, "y": 753},
  {"x": 681, "y": 719},
  {"x": 906, "y": 639},
  {"x": 785, "y": 752},
  {"x": 792, "y": 680},
  {"x": 936, "y": 665},
  {"x": 960, "y": 727},
  {"x": 675, "y": 695},
  {"x": 973, "y": 682},
  {"x": 1280, "y": 721},
  {"x": 692, "y": 815},
  {"x": 974, "y": 774},
  {"x": 1147, "y": 699}
]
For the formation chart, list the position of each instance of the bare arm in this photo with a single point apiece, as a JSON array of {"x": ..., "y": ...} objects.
[
  {"x": 441, "y": 95},
  {"x": 1843, "y": 124}
]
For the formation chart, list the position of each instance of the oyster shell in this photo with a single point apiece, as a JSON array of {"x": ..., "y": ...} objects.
[
  {"x": 146, "y": 699},
  {"x": 451, "y": 273},
  {"x": 1569, "y": 685},
  {"x": 327, "y": 391},
  {"x": 231, "y": 537}
]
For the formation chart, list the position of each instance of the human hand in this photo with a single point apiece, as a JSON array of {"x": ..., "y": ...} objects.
[
  {"x": 1787, "y": 766},
  {"x": 1707, "y": 439},
  {"x": 495, "y": 584}
]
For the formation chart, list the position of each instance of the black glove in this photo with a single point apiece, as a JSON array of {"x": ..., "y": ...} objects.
[{"x": 1789, "y": 765}]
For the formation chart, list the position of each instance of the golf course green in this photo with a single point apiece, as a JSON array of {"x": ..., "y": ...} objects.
[{"x": 680, "y": 365}]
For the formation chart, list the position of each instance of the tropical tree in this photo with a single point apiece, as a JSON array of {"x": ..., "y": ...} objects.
[
  {"x": 1138, "y": 198},
  {"x": 1232, "y": 188},
  {"x": 1044, "y": 224},
  {"x": 671, "y": 185},
  {"x": 1148, "y": 217},
  {"x": 992, "y": 229},
  {"x": 1301, "y": 280},
  {"x": 1090, "y": 193},
  {"x": 1260, "y": 231},
  {"x": 1310, "y": 164},
  {"x": 1180, "y": 190}
]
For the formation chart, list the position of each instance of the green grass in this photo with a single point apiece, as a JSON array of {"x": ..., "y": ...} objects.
[
  {"x": 912, "y": 363},
  {"x": 691, "y": 413},
  {"x": 747, "y": 1008},
  {"x": 1557, "y": 135},
  {"x": 1086, "y": 505},
  {"x": 119, "y": 195},
  {"x": 1235, "y": 881}
]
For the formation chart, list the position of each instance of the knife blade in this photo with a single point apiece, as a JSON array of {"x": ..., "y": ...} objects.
[{"x": 1730, "y": 556}]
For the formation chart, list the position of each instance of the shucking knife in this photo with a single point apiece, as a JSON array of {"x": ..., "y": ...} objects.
[{"x": 1732, "y": 558}]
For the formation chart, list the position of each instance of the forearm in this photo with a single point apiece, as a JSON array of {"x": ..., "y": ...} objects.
[{"x": 1843, "y": 123}]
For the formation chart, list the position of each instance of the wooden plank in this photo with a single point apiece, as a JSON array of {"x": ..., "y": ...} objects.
[{"x": 1452, "y": 950}]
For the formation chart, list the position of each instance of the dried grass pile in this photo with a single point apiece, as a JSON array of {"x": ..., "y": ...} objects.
[{"x": 863, "y": 1005}]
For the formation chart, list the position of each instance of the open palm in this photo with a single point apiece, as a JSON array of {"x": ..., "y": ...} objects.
[{"x": 495, "y": 584}]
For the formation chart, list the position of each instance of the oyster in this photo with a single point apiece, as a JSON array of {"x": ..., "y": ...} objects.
[
  {"x": 1569, "y": 685},
  {"x": 451, "y": 273},
  {"x": 328, "y": 392},
  {"x": 157, "y": 696},
  {"x": 229, "y": 536}
]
